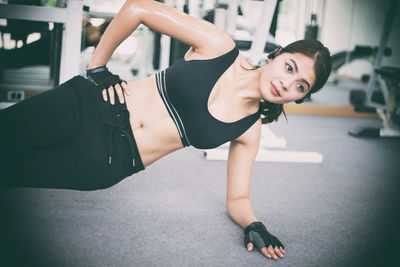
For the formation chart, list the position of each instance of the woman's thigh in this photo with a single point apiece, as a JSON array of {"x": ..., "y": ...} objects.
[
  {"x": 46, "y": 167},
  {"x": 63, "y": 166},
  {"x": 45, "y": 119}
]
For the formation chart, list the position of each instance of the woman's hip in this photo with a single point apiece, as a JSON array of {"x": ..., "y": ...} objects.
[
  {"x": 98, "y": 151},
  {"x": 105, "y": 138}
]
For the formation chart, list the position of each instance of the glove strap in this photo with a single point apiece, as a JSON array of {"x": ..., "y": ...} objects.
[
  {"x": 253, "y": 226},
  {"x": 96, "y": 70}
]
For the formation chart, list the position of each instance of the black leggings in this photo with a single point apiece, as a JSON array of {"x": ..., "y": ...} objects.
[{"x": 68, "y": 138}]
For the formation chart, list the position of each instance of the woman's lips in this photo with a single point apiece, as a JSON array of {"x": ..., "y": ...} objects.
[{"x": 275, "y": 90}]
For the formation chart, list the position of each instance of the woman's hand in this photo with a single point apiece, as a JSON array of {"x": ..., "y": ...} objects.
[
  {"x": 109, "y": 83},
  {"x": 256, "y": 234},
  {"x": 110, "y": 93}
]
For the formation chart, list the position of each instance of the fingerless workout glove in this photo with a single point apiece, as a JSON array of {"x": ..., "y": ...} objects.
[
  {"x": 103, "y": 78},
  {"x": 257, "y": 234}
]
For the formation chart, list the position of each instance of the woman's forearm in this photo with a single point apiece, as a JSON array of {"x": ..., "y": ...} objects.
[
  {"x": 241, "y": 211},
  {"x": 123, "y": 24}
]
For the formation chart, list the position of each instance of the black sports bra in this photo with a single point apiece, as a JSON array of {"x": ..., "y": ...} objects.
[{"x": 185, "y": 88}]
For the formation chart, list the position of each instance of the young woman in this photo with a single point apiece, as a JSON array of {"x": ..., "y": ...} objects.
[{"x": 76, "y": 137}]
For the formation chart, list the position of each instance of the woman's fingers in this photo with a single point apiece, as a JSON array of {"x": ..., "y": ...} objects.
[
  {"x": 111, "y": 95},
  {"x": 265, "y": 252},
  {"x": 271, "y": 251},
  {"x": 104, "y": 93},
  {"x": 278, "y": 252},
  {"x": 126, "y": 88},
  {"x": 120, "y": 94}
]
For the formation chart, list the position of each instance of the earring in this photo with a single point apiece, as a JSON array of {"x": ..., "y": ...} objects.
[
  {"x": 307, "y": 97},
  {"x": 274, "y": 52}
]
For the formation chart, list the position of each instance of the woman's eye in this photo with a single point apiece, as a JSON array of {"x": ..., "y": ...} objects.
[
  {"x": 301, "y": 87},
  {"x": 289, "y": 68}
]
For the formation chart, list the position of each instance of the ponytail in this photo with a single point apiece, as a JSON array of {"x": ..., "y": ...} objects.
[{"x": 270, "y": 112}]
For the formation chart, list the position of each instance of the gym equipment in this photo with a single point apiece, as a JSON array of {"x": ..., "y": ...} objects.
[
  {"x": 388, "y": 79},
  {"x": 266, "y": 154},
  {"x": 360, "y": 52},
  {"x": 342, "y": 58},
  {"x": 311, "y": 31},
  {"x": 257, "y": 47},
  {"x": 245, "y": 45},
  {"x": 71, "y": 19}
]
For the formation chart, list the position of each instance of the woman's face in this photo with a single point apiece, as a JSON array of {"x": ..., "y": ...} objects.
[{"x": 288, "y": 77}]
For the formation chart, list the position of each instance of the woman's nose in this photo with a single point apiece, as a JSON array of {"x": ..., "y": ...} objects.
[
  {"x": 283, "y": 85},
  {"x": 287, "y": 83}
]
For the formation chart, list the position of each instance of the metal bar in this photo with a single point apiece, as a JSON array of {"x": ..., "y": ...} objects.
[
  {"x": 165, "y": 44},
  {"x": 387, "y": 28},
  {"x": 95, "y": 14},
  {"x": 194, "y": 8},
  {"x": 33, "y": 13},
  {"x": 257, "y": 47},
  {"x": 232, "y": 14},
  {"x": 71, "y": 44}
]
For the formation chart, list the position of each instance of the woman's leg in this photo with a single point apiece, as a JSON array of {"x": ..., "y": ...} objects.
[
  {"x": 47, "y": 167},
  {"x": 46, "y": 119},
  {"x": 33, "y": 126}
]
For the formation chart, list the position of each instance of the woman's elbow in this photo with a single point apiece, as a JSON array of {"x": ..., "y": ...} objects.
[{"x": 233, "y": 202}]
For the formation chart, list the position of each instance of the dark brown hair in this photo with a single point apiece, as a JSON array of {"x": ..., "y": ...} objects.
[{"x": 322, "y": 66}]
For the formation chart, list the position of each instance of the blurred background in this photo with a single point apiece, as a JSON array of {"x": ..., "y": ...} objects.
[
  {"x": 32, "y": 56},
  {"x": 339, "y": 211}
]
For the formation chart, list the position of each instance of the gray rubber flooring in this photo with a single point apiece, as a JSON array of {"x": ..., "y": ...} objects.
[{"x": 343, "y": 212}]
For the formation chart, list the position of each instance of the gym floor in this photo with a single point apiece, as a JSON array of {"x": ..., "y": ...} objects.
[{"x": 342, "y": 212}]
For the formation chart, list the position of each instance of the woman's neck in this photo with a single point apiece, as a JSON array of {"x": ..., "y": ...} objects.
[{"x": 248, "y": 82}]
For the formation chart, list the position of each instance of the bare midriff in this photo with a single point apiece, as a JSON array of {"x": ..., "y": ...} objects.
[{"x": 154, "y": 130}]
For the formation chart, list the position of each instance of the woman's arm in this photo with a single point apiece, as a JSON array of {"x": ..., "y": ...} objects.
[
  {"x": 204, "y": 37},
  {"x": 242, "y": 153}
]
